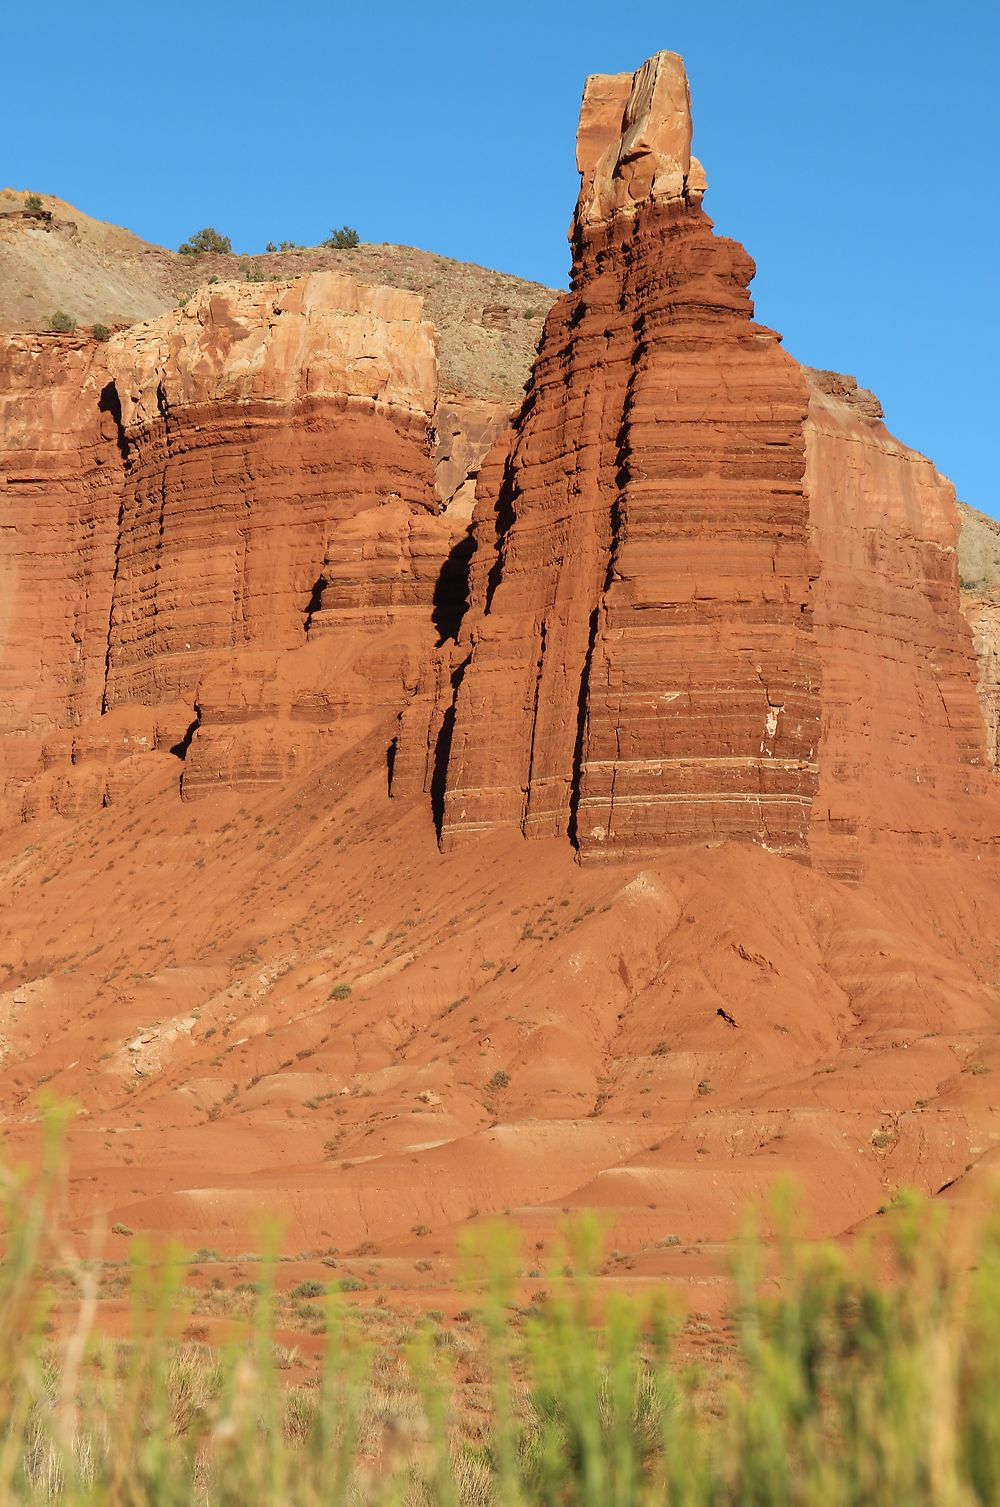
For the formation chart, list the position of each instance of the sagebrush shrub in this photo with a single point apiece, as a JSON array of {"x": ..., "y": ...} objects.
[
  {"x": 344, "y": 239},
  {"x": 206, "y": 240}
]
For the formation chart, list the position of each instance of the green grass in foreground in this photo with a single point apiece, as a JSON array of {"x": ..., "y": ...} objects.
[{"x": 843, "y": 1390}]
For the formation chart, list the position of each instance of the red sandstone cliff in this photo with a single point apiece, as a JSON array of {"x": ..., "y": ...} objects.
[
  {"x": 175, "y": 505},
  {"x": 903, "y": 761},
  {"x": 709, "y": 600}
]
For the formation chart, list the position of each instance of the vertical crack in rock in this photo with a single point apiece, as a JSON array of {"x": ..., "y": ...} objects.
[
  {"x": 442, "y": 751},
  {"x": 109, "y": 639},
  {"x": 526, "y": 793},
  {"x": 110, "y": 403},
  {"x": 314, "y": 603},
  {"x": 180, "y": 750},
  {"x": 581, "y": 728},
  {"x": 619, "y": 531},
  {"x": 503, "y": 522}
]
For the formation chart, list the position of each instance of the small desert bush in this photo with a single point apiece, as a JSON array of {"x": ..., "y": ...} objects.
[
  {"x": 868, "y": 1377},
  {"x": 308, "y": 1290},
  {"x": 63, "y": 322},
  {"x": 100, "y": 332},
  {"x": 344, "y": 239},
  {"x": 206, "y": 240}
]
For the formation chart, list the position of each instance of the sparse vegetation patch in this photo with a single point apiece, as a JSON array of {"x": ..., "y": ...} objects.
[
  {"x": 206, "y": 241},
  {"x": 835, "y": 1376},
  {"x": 344, "y": 239}
]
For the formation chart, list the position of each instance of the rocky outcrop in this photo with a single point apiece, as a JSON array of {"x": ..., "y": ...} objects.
[
  {"x": 641, "y": 665},
  {"x": 708, "y": 594},
  {"x": 902, "y": 755},
  {"x": 633, "y": 146},
  {"x": 250, "y": 424},
  {"x": 487, "y": 322},
  {"x": 979, "y": 577},
  {"x": 839, "y": 385},
  {"x": 60, "y": 478},
  {"x": 983, "y": 616},
  {"x": 978, "y": 552},
  {"x": 182, "y": 488},
  {"x": 711, "y": 597},
  {"x": 370, "y": 637},
  {"x": 465, "y": 429}
]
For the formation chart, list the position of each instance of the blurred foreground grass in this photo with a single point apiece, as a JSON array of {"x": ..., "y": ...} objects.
[{"x": 863, "y": 1379}]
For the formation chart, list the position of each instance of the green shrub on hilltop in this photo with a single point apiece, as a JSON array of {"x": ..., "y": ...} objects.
[
  {"x": 344, "y": 239},
  {"x": 64, "y": 323},
  {"x": 204, "y": 241}
]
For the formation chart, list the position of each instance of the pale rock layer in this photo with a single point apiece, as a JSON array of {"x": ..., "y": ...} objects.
[
  {"x": 633, "y": 145},
  {"x": 979, "y": 575},
  {"x": 983, "y": 617}
]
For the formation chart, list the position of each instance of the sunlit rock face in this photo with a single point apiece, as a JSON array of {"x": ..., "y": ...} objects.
[
  {"x": 179, "y": 506},
  {"x": 711, "y": 597},
  {"x": 642, "y": 669}
]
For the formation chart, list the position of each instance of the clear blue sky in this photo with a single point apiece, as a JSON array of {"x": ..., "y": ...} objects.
[{"x": 852, "y": 148}]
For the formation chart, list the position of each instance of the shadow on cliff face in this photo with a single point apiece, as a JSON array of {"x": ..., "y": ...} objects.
[
  {"x": 451, "y": 599},
  {"x": 451, "y": 591},
  {"x": 180, "y": 750},
  {"x": 314, "y": 603},
  {"x": 504, "y": 520},
  {"x": 390, "y": 764},
  {"x": 573, "y": 828},
  {"x": 110, "y": 403},
  {"x": 442, "y": 753}
]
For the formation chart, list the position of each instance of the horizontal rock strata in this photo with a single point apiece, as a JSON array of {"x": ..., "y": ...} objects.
[
  {"x": 60, "y": 491},
  {"x": 641, "y": 664},
  {"x": 170, "y": 505},
  {"x": 711, "y": 598},
  {"x": 903, "y": 756}
]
